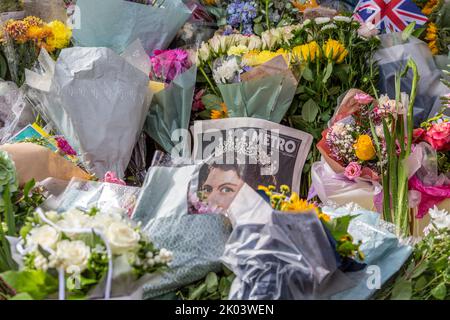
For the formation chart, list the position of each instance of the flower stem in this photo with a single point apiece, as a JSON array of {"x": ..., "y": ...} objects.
[{"x": 208, "y": 80}]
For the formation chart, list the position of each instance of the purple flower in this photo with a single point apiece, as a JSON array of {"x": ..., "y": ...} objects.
[
  {"x": 241, "y": 15},
  {"x": 168, "y": 64},
  {"x": 65, "y": 147}
]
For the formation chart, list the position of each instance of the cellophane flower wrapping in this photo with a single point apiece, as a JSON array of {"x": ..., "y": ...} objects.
[
  {"x": 265, "y": 92},
  {"x": 278, "y": 255},
  {"x": 116, "y": 24},
  {"x": 384, "y": 253},
  {"x": 15, "y": 111},
  {"x": 393, "y": 56},
  {"x": 425, "y": 178},
  {"x": 171, "y": 108},
  {"x": 196, "y": 240},
  {"x": 97, "y": 100}
]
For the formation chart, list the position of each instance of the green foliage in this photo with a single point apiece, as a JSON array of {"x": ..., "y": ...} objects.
[
  {"x": 426, "y": 276},
  {"x": 37, "y": 284},
  {"x": 216, "y": 286}
]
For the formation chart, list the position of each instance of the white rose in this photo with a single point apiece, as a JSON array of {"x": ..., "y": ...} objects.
[
  {"x": 122, "y": 238},
  {"x": 72, "y": 255},
  {"x": 74, "y": 219},
  {"x": 45, "y": 236},
  {"x": 440, "y": 218},
  {"x": 103, "y": 220}
]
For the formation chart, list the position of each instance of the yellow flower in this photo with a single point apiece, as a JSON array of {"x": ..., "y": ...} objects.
[
  {"x": 265, "y": 189},
  {"x": 431, "y": 37},
  {"x": 285, "y": 189},
  {"x": 335, "y": 51},
  {"x": 364, "y": 148},
  {"x": 255, "y": 58},
  {"x": 429, "y": 7},
  {"x": 324, "y": 217},
  {"x": 298, "y": 205},
  {"x": 61, "y": 35},
  {"x": 307, "y": 52},
  {"x": 237, "y": 50},
  {"x": 220, "y": 114},
  {"x": 33, "y": 21},
  {"x": 16, "y": 30},
  {"x": 36, "y": 33},
  {"x": 306, "y": 5}
]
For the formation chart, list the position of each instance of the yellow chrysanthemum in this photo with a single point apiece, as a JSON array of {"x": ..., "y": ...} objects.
[
  {"x": 295, "y": 204},
  {"x": 364, "y": 148},
  {"x": 36, "y": 33},
  {"x": 255, "y": 58},
  {"x": 307, "y": 52},
  {"x": 61, "y": 35},
  {"x": 33, "y": 21},
  {"x": 429, "y": 7},
  {"x": 16, "y": 30},
  {"x": 220, "y": 114},
  {"x": 431, "y": 37},
  {"x": 335, "y": 51},
  {"x": 237, "y": 50}
]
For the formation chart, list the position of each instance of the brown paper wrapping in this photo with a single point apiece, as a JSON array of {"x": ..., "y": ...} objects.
[{"x": 35, "y": 162}]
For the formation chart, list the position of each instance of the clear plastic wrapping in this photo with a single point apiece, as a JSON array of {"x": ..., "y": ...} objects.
[
  {"x": 97, "y": 100},
  {"x": 196, "y": 240}
]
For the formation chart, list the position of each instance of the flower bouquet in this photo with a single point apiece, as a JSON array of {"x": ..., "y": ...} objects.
[
  {"x": 84, "y": 111},
  {"x": 116, "y": 24},
  {"x": 247, "y": 81},
  {"x": 431, "y": 162},
  {"x": 22, "y": 40},
  {"x": 85, "y": 251},
  {"x": 173, "y": 82}
]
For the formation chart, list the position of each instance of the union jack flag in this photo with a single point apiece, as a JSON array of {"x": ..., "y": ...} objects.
[{"x": 389, "y": 15}]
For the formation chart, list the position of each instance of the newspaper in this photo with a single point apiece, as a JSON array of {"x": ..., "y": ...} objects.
[{"x": 247, "y": 150}]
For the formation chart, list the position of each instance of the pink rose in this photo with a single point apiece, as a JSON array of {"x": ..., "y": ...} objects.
[
  {"x": 353, "y": 171},
  {"x": 197, "y": 104},
  {"x": 438, "y": 136},
  {"x": 363, "y": 98},
  {"x": 110, "y": 177}
]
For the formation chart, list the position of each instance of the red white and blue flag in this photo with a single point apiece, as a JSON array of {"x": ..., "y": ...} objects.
[{"x": 389, "y": 15}]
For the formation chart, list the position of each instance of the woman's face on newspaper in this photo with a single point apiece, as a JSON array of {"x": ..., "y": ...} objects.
[{"x": 221, "y": 187}]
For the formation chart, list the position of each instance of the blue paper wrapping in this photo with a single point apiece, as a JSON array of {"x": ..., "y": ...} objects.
[{"x": 117, "y": 23}]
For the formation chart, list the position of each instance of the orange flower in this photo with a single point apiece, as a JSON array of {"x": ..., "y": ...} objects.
[
  {"x": 220, "y": 114},
  {"x": 303, "y": 6},
  {"x": 17, "y": 30}
]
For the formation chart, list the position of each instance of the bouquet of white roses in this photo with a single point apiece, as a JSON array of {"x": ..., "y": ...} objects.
[{"x": 88, "y": 249}]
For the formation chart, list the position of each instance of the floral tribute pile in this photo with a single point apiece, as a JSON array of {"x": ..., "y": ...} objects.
[{"x": 97, "y": 203}]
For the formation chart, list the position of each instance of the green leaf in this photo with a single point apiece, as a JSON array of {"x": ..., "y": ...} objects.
[
  {"x": 339, "y": 226},
  {"x": 440, "y": 291},
  {"x": 308, "y": 75},
  {"x": 22, "y": 296},
  {"x": 257, "y": 19},
  {"x": 334, "y": 91},
  {"x": 310, "y": 110},
  {"x": 197, "y": 293},
  {"x": 258, "y": 29},
  {"x": 3, "y": 67},
  {"x": 418, "y": 32},
  {"x": 212, "y": 282},
  {"x": 27, "y": 188},
  {"x": 38, "y": 284},
  {"x": 408, "y": 31},
  {"x": 328, "y": 72},
  {"x": 402, "y": 290},
  {"x": 420, "y": 283},
  {"x": 9, "y": 212},
  {"x": 419, "y": 270}
]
